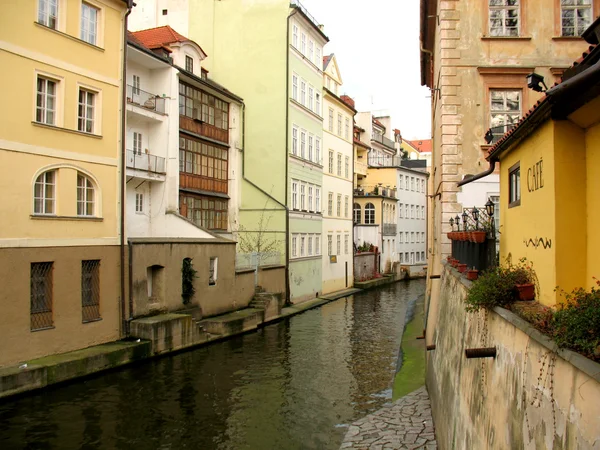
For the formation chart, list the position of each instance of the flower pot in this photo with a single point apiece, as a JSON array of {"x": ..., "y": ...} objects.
[
  {"x": 526, "y": 291},
  {"x": 472, "y": 275},
  {"x": 463, "y": 236},
  {"x": 462, "y": 268},
  {"x": 478, "y": 237},
  {"x": 450, "y": 235},
  {"x": 454, "y": 263}
]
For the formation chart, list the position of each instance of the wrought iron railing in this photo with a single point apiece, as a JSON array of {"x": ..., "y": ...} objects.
[
  {"x": 90, "y": 290},
  {"x": 41, "y": 293},
  {"x": 305, "y": 11},
  {"x": 146, "y": 161},
  {"x": 386, "y": 142},
  {"x": 146, "y": 100}
]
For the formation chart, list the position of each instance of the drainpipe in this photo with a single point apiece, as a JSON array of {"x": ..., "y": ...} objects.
[
  {"x": 471, "y": 178},
  {"x": 124, "y": 323}
]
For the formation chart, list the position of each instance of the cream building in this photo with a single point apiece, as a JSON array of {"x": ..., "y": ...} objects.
[
  {"x": 61, "y": 148},
  {"x": 338, "y": 268}
]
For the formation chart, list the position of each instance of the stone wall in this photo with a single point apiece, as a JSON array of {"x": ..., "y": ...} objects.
[
  {"x": 365, "y": 266},
  {"x": 527, "y": 397}
]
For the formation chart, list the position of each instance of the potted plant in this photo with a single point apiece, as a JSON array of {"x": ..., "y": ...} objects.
[
  {"x": 472, "y": 274},
  {"x": 478, "y": 236},
  {"x": 524, "y": 278},
  {"x": 462, "y": 268}
]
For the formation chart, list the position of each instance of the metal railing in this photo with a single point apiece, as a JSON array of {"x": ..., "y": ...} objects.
[
  {"x": 385, "y": 161},
  {"x": 480, "y": 254},
  {"x": 389, "y": 229},
  {"x": 387, "y": 142},
  {"x": 146, "y": 100},
  {"x": 377, "y": 190},
  {"x": 305, "y": 11},
  {"x": 146, "y": 161}
]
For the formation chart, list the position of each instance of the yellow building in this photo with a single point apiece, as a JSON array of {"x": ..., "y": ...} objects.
[
  {"x": 60, "y": 147},
  {"x": 550, "y": 182}
]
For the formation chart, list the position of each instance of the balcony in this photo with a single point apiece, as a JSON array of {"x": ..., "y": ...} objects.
[
  {"x": 360, "y": 168},
  {"x": 376, "y": 191},
  {"x": 389, "y": 229},
  {"x": 145, "y": 103},
  {"x": 145, "y": 165},
  {"x": 386, "y": 142},
  {"x": 300, "y": 6}
]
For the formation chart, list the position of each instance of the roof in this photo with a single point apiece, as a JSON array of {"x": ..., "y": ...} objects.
[
  {"x": 326, "y": 60},
  {"x": 422, "y": 145},
  {"x": 161, "y": 37},
  {"x": 378, "y": 123}
]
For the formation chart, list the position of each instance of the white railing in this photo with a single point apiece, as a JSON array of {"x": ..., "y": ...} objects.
[{"x": 145, "y": 161}]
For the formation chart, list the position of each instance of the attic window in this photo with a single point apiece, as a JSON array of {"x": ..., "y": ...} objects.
[
  {"x": 189, "y": 64},
  {"x": 165, "y": 12}
]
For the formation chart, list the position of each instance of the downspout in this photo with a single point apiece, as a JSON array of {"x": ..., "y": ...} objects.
[
  {"x": 124, "y": 323},
  {"x": 471, "y": 178}
]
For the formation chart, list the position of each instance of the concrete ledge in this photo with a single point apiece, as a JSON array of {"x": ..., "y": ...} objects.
[
  {"x": 370, "y": 284},
  {"x": 234, "y": 323},
  {"x": 54, "y": 369},
  {"x": 339, "y": 294}
]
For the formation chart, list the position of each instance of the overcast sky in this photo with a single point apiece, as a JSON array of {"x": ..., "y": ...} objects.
[{"x": 376, "y": 43}]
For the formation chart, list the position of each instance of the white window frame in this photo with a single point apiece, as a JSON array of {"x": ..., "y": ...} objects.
[
  {"x": 294, "y": 245},
  {"x": 318, "y": 103},
  {"x": 347, "y": 128},
  {"x": 294, "y": 140},
  {"x": 303, "y": 196},
  {"x": 294, "y": 194},
  {"x": 401, "y": 211},
  {"x": 346, "y": 244},
  {"x": 339, "y": 164},
  {"x": 331, "y": 162},
  {"x": 311, "y": 48},
  {"x": 504, "y": 114},
  {"x": 309, "y": 245},
  {"x": 303, "y": 144},
  {"x": 310, "y": 198},
  {"x": 44, "y": 96},
  {"x": 43, "y": 181},
  {"x": 330, "y": 204},
  {"x": 48, "y": 13},
  {"x": 311, "y": 139},
  {"x": 88, "y": 117},
  {"x": 338, "y": 244},
  {"x": 339, "y": 124},
  {"x": 502, "y": 12},
  {"x": 311, "y": 93},
  {"x": 295, "y": 87},
  {"x": 139, "y": 203},
  {"x": 346, "y": 206},
  {"x": 576, "y": 9},
  {"x": 302, "y": 245},
  {"x": 331, "y": 120},
  {"x": 302, "y": 92},
  {"x": 317, "y": 150},
  {"x": 138, "y": 140},
  {"x": 295, "y": 35},
  {"x": 303, "y": 43},
  {"x": 347, "y": 167},
  {"x": 318, "y": 59},
  {"x": 135, "y": 85},
  {"x": 330, "y": 244},
  {"x": 317, "y": 244},
  {"x": 89, "y": 30},
  {"x": 318, "y": 200},
  {"x": 339, "y": 205},
  {"x": 85, "y": 198}
]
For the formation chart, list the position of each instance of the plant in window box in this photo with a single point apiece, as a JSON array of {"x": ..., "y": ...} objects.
[{"x": 472, "y": 274}]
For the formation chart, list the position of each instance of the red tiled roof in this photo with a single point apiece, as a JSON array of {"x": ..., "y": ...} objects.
[
  {"x": 326, "y": 60},
  {"x": 422, "y": 145},
  {"x": 361, "y": 143},
  {"x": 158, "y": 37},
  {"x": 348, "y": 100},
  {"x": 378, "y": 122},
  {"x": 577, "y": 62},
  {"x": 131, "y": 37}
]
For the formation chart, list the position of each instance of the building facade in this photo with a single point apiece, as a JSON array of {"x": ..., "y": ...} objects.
[
  {"x": 60, "y": 145},
  {"x": 337, "y": 243}
]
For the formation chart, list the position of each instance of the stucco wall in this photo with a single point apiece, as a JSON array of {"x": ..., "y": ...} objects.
[
  {"x": 19, "y": 343},
  {"x": 365, "y": 266},
  {"x": 524, "y": 398}
]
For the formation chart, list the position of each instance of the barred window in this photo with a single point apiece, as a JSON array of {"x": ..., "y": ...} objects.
[
  {"x": 41, "y": 295},
  {"x": 206, "y": 212},
  {"x": 90, "y": 290},
  {"x": 199, "y": 105}
]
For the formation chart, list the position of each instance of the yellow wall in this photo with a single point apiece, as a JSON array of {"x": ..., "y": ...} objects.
[
  {"x": 377, "y": 202},
  {"x": 592, "y": 142},
  {"x": 387, "y": 177}
]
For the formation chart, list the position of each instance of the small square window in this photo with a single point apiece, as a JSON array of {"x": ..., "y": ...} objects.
[
  {"x": 164, "y": 12},
  {"x": 514, "y": 186}
]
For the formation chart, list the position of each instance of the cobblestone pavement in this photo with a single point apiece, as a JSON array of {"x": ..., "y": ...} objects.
[{"x": 404, "y": 424}]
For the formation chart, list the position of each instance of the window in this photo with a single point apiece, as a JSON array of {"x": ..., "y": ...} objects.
[
  {"x": 318, "y": 150},
  {"x": 346, "y": 206},
  {"x": 137, "y": 143},
  {"x": 317, "y": 245},
  {"x": 331, "y": 120},
  {"x": 407, "y": 183},
  {"x": 48, "y": 13},
  {"x": 347, "y": 167},
  {"x": 412, "y": 237},
  {"x": 422, "y": 256},
  {"x": 318, "y": 103},
  {"x": 294, "y": 246},
  {"x": 505, "y": 111},
  {"x": 90, "y": 290},
  {"x": 311, "y": 93},
  {"x": 303, "y": 44},
  {"x": 423, "y": 186},
  {"x": 41, "y": 295},
  {"x": 139, "y": 203},
  {"x": 197, "y": 104},
  {"x": 576, "y": 16},
  {"x": 204, "y": 161},
  {"x": 44, "y": 199},
  {"x": 303, "y": 144},
  {"x": 339, "y": 164},
  {"x": 331, "y": 161},
  {"x": 412, "y": 211},
  {"x": 339, "y": 205},
  {"x": 45, "y": 111},
  {"x": 347, "y": 129},
  {"x": 357, "y": 213},
  {"x": 369, "y": 213},
  {"x": 339, "y": 124},
  {"x": 329, "y": 244},
  {"x": 303, "y": 196},
  {"x": 310, "y": 247},
  {"x": 295, "y": 36},
  {"x": 401, "y": 237},
  {"x": 85, "y": 115},
  {"x": 310, "y": 147},
  {"x": 189, "y": 64},
  {"x": 514, "y": 185},
  {"x": 401, "y": 180},
  {"x": 311, "y": 46},
  {"x": 89, "y": 23},
  {"x": 346, "y": 244},
  {"x": 206, "y": 212},
  {"x": 401, "y": 257},
  {"x": 294, "y": 140},
  {"x": 338, "y": 246},
  {"x": 212, "y": 271},
  {"x": 318, "y": 60},
  {"x": 401, "y": 211},
  {"x": 302, "y": 239},
  {"x": 318, "y": 200},
  {"x": 422, "y": 237},
  {"x": 294, "y": 194},
  {"x": 412, "y": 183},
  {"x": 330, "y": 204},
  {"x": 406, "y": 214},
  {"x": 295, "y": 87},
  {"x": 423, "y": 212},
  {"x": 85, "y": 196},
  {"x": 504, "y": 17},
  {"x": 165, "y": 12},
  {"x": 136, "y": 85},
  {"x": 303, "y": 92},
  {"x": 310, "y": 199}
]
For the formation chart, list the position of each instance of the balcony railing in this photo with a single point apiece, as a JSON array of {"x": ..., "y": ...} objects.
[
  {"x": 305, "y": 11},
  {"x": 360, "y": 168},
  {"x": 386, "y": 142},
  {"x": 385, "y": 161},
  {"x": 386, "y": 192},
  {"x": 146, "y": 100},
  {"x": 145, "y": 161},
  {"x": 389, "y": 229}
]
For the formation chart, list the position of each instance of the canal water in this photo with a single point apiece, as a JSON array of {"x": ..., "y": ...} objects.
[{"x": 296, "y": 384}]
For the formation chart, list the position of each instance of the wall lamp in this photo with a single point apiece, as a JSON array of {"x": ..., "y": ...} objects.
[
  {"x": 451, "y": 223},
  {"x": 489, "y": 207},
  {"x": 534, "y": 82},
  {"x": 457, "y": 221}
]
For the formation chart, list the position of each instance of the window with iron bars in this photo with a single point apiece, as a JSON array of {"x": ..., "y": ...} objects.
[
  {"x": 41, "y": 295},
  {"x": 90, "y": 290}
]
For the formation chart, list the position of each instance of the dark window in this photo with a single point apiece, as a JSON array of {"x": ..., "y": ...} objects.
[
  {"x": 204, "y": 160},
  {"x": 206, "y": 212},
  {"x": 514, "y": 185},
  {"x": 90, "y": 290},
  {"x": 41, "y": 295},
  {"x": 164, "y": 12},
  {"x": 369, "y": 213},
  {"x": 199, "y": 105},
  {"x": 189, "y": 64}
]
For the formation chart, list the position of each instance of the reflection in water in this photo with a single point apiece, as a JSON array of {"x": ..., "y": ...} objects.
[{"x": 292, "y": 385}]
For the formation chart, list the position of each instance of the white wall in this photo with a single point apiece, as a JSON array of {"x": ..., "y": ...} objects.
[
  {"x": 148, "y": 14},
  {"x": 417, "y": 250}
]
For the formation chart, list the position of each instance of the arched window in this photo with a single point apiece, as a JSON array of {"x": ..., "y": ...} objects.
[
  {"x": 44, "y": 193},
  {"x": 369, "y": 213},
  {"x": 357, "y": 213},
  {"x": 85, "y": 196}
]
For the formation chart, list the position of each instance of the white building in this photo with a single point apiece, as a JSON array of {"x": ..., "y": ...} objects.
[
  {"x": 412, "y": 218},
  {"x": 338, "y": 268}
]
